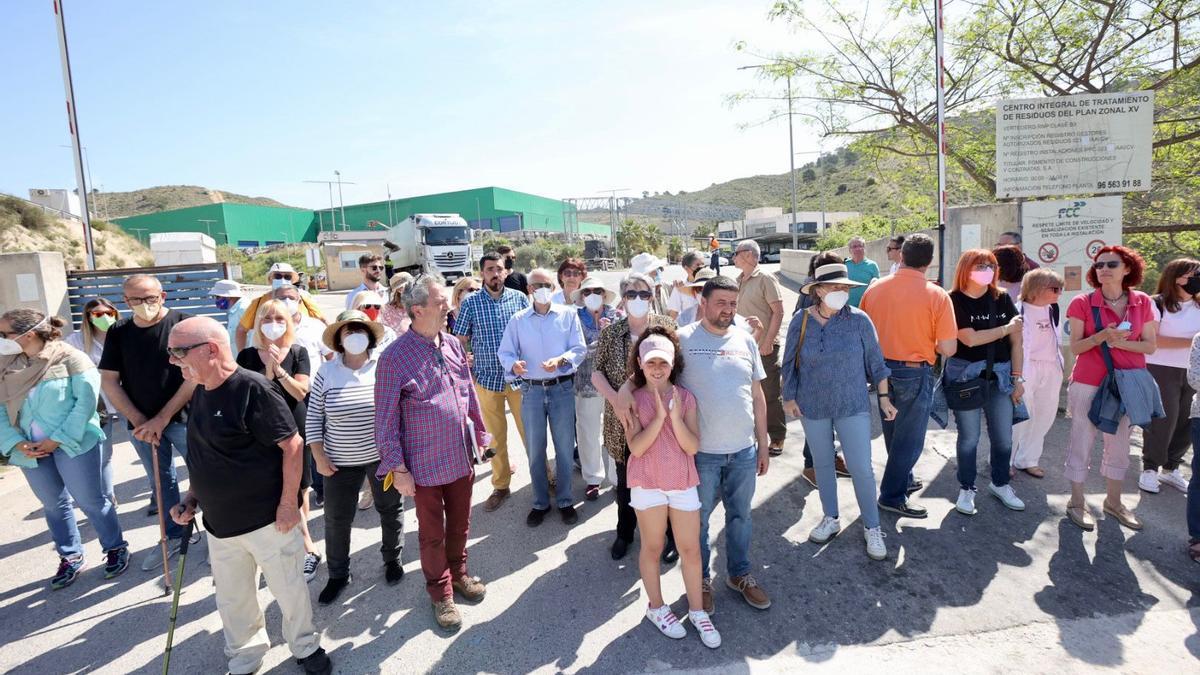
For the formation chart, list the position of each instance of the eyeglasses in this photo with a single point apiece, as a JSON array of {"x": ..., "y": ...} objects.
[
  {"x": 591, "y": 291},
  {"x": 181, "y": 353},
  {"x": 1056, "y": 289},
  {"x": 540, "y": 284},
  {"x": 281, "y": 275},
  {"x": 643, "y": 295},
  {"x": 893, "y": 248},
  {"x": 148, "y": 300},
  {"x": 982, "y": 267},
  {"x": 1110, "y": 264},
  {"x": 375, "y": 267},
  {"x": 102, "y": 312},
  {"x": 571, "y": 273}
]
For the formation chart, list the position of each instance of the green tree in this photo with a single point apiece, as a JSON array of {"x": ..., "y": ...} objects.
[
  {"x": 634, "y": 238},
  {"x": 675, "y": 249}
]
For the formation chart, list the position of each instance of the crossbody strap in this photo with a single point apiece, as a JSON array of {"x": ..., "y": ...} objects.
[
  {"x": 803, "y": 330},
  {"x": 1108, "y": 362},
  {"x": 991, "y": 347}
]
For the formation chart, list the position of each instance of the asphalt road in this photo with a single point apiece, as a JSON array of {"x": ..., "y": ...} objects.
[{"x": 998, "y": 591}]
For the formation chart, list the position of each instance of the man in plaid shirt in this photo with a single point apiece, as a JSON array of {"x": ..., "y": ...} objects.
[
  {"x": 481, "y": 319},
  {"x": 425, "y": 413}
]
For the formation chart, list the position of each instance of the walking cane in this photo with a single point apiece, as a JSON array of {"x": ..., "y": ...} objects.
[
  {"x": 162, "y": 519},
  {"x": 183, "y": 549}
]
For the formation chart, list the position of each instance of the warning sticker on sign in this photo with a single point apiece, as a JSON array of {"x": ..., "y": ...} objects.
[
  {"x": 1066, "y": 234},
  {"x": 1093, "y": 248},
  {"x": 1047, "y": 253}
]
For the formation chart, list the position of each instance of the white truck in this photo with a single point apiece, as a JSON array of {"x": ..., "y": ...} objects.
[{"x": 431, "y": 242}]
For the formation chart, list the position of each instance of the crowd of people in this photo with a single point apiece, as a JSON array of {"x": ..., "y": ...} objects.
[{"x": 675, "y": 394}]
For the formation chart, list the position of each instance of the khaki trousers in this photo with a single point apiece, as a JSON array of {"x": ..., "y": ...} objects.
[{"x": 491, "y": 404}]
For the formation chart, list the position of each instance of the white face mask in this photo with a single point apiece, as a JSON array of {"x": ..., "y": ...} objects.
[
  {"x": 836, "y": 300},
  {"x": 637, "y": 307},
  {"x": 276, "y": 283},
  {"x": 542, "y": 296},
  {"x": 593, "y": 302},
  {"x": 273, "y": 330},
  {"x": 293, "y": 306},
  {"x": 355, "y": 343},
  {"x": 9, "y": 347}
]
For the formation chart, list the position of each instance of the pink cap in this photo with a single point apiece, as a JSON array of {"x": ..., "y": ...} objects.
[{"x": 657, "y": 347}]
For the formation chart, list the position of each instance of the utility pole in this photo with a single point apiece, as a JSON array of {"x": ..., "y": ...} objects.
[
  {"x": 791, "y": 150},
  {"x": 391, "y": 221},
  {"x": 341, "y": 203},
  {"x": 73, "y": 125},
  {"x": 332, "y": 212}
]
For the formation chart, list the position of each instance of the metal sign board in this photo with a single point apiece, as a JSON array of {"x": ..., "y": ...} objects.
[
  {"x": 1065, "y": 235},
  {"x": 1081, "y": 144}
]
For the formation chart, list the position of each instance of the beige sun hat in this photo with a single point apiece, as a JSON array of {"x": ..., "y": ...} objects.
[
  {"x": 347, "y": 317},
  {"x": 833, "y": 273},
  {"x": 610, "y": 296}
]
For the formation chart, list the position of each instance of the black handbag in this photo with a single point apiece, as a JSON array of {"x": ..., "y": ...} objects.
[{"x": 972, "y": 394}]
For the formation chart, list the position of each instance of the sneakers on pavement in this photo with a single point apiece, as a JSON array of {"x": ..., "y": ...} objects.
[
  {"x": 666, "y": 621},
  {"x": 535, "y": 517},
  {"x": 592, "y": 493},
  {"x": 471, "y": 588},
  {"x": 68, "y": 571},
  {"x": 907, "y": 510},
  {"x": 706, "y": 597},
  {"x": 569, "y": 516},
  {"x": 446, "y": 613},
  {"x": 1149, "y": 482},
  {"x": 317, "y": 663},
  {"x": 311, "y": 562},
  {"x": 915, "y": 486},
  {"x": 876, "y": 550},
  {"x": 117, "y": 562},
  {"x": 966, "y": 502},
  {"x": 704, "y": 625},
  {"x": 751, "y": 592},
  {"x": 1007, "y": 497},
  {"x": 495, "y": 500},
  {"x": 827, "y": 529},
  {"x": 1175, "y": 479},
  {"x": 153, "y": 557}
]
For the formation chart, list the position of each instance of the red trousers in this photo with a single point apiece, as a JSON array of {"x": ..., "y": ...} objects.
[{"x": 443, "y": 519}]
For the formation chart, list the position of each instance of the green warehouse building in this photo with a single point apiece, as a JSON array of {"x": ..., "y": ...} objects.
[{"x": 244, "y": 225}]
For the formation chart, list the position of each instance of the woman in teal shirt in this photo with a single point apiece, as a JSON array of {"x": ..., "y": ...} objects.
[{"x": 49, "y": 428}]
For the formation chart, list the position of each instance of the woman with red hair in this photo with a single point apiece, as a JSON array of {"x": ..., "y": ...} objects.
[
  {"x": 1126, "y": 333},
  {"x": 989, "y": 347}
]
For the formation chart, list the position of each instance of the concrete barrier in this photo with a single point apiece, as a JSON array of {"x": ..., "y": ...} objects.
[{"x": 35, "y": 280}]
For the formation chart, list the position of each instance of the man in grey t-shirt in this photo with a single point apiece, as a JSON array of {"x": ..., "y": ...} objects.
[{"x": 723, "y": 370}]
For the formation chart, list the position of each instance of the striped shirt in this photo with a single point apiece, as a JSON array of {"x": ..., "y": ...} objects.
[
  {"x": 483, "y": 318},
  {"x": 341, "y": 413},
  {"x": 665, "y": 466}
]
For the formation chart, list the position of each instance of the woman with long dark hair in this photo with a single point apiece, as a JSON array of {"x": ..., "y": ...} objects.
[{"x": 98, "y": 316}]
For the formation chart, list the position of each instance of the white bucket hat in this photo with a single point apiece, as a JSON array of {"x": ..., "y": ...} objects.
[
  {"x": 645, "y": 263},
  {"x": 226, "y": 288},
  {"x": 834, "y": 273},
  {"x": 610, "y": 296}
]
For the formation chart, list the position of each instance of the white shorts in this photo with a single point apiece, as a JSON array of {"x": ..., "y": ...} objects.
[{"x": 679, "y": 500}]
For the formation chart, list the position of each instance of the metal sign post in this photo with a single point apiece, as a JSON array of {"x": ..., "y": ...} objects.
[
  {"x": 939, "y": 16},
  {"x": 76, "y": 146}
]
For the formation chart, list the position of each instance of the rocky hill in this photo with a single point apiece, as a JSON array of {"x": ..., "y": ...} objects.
[
  {"x": 166, "y": 198},
  {"x": 25, "y": 227}
]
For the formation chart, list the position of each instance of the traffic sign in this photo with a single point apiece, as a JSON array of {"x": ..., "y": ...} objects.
[{"x": 1048, "y": 252}]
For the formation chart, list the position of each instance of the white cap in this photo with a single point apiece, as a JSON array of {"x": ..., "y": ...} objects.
[
  {"x": 226, "y": 288},
  {"x": 657, "y": 347},
  {"x": 645, "y": 263},
  {"x": 282, "y": 267}
]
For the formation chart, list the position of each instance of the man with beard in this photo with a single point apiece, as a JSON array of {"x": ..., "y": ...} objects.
[
  {"x": 372, "y": 268},
  {"x": 480, "y": 324}
]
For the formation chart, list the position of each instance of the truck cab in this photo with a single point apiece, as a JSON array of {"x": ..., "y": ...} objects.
[{"x": 431, "y": 242}]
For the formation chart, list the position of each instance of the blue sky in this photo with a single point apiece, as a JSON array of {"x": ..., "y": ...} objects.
[{"x": 563, "y": 99}]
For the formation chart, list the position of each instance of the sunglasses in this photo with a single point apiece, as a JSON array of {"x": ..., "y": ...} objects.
[
  {"x": 281, "y": 275},
  {"x": 1056, "y": 289},
  {"x": 1110, "y": 264},
  {"x": 591, "y": 291},
  {"x": 984, "y": 266},
  {"x": 148, "y": 300},
  {"x": 541, "y": 285},
  {"x": 365, "y": 307},
  {"x": 181, "y": 353},
  {"x": 572, "y": 273},
  {"x": 643, "y": 295},
  {"x": 102, "y": 312},
  {"x": 375, "y": 267},
  {"x": 893, "y": 248}
]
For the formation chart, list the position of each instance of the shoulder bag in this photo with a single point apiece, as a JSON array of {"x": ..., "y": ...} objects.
[
  {"x": 1107, "y": 408},
  {"x": 972, "y": 394}
]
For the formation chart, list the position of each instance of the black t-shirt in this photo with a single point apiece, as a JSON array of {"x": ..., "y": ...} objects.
[
  {"x": 140, "y": 356},
  {"x": 294, "y": 363},
  {"x": 517, "y": 282},
  {"x": 233, "y": 459},
  {"x": 977, "y": 313}
]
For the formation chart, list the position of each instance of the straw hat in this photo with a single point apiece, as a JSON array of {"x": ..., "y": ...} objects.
[
  {"x": 592, "y": 282},
  {"x": 834, "y": 273},
  {"x": 703, "y": 276},
  {"x": 347, "y": 317}
]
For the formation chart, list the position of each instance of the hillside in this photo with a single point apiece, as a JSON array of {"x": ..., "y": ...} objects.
[
  {"x": 24, "y": 227},
  {"x": 166, "y": 198}
]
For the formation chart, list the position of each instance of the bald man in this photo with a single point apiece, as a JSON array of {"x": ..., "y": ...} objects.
[{"x": 244, "y": 462}]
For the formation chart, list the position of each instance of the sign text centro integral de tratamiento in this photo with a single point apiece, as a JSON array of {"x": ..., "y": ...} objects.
[{"x": 1069, "y": 145}]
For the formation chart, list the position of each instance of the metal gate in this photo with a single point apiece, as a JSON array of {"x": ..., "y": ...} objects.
[{"x": 186, "y": 286}]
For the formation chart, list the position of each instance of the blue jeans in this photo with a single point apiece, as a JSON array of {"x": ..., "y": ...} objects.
[
  {"x": 554, "y": 404},
  {"x": 111, "y": 424},
  {"x": 59, "y": 478},
  {"x": 1193, "y": 493},
  {"x": 911, "y": 390},
  {"x": 855, "y": 432},
  {"x": 731, "y": 478},
  {"x": 173, "y": 435},
  {"x": 998, "y": 408}
]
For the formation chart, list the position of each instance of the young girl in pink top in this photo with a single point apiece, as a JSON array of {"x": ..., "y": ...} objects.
[{"x": 663, "y": 441}]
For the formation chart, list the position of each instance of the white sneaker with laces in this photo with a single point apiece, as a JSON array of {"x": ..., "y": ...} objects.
[
  {"x": 966, "y": 502},
  {"x": 1007, "y": 497},
  {"x": 875, "y": 547},
  {"x": 708, "y": 632},
  {"x": 666, "y": 621},
  {"x": 826, "y": 530},
  {"x": 1175, "y": 479},
  {"x": 311, "y": 562},
  {"x": 1149, "y": 482}
]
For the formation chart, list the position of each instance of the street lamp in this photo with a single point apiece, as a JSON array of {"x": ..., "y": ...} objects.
[
  {"x": 822, "y": 191},
  {"x": 791, "y": 151}
]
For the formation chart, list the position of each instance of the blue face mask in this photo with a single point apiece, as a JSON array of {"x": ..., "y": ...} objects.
[{"x": 223, "y": 304}]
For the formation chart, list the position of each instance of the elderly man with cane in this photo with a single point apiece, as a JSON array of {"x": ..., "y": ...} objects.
[
  {"x": 244, "y": 462},
  {"x": 430, "y": 434}
]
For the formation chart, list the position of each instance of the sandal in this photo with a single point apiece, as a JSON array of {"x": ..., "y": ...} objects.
[
  {"x": 1080, "y": 516},
  {"x": 1035, "y": 471},
  {"x": 1124, "y": 516}
]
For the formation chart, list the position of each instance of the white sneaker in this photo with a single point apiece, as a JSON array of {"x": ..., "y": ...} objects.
[
  {"x": 826, "y": 530},
  {"x": 1007, "y": 497},
  {"x": 966, "y": 502},
  {"x": 875, "y": 547},
  {"x": 1149, "y": 482},
  {"x": 1175, "y": 479},
  {"x": 708, "y": 633},
  {"x": 311, "y": 562},
  {"x": 666, "y": 622},
  {"x": 366, "y": 500}
]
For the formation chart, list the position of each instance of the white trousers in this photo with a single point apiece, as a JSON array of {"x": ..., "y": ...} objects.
[
  {"x": 589, "y": 436},
  {"x": 1043, "y": 384},
  {"x": 235, "y": 563}
]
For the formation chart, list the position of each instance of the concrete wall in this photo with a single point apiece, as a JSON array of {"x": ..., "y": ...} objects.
[{"x": 36, "y": 280}]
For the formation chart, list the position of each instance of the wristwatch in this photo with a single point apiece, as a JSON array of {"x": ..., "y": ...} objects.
[
  {"x": 1018, "y": 379},
  {"x": 884, "y": 394}
]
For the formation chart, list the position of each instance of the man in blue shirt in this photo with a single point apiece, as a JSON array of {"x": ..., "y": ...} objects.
[
  {"x": 544, "y": 345},
  {"x": 480, "y": 324},
  {"x": 861, "y": 269}
]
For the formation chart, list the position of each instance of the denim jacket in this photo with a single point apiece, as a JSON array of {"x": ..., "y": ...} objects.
[{"x": 65, "y": 410}]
